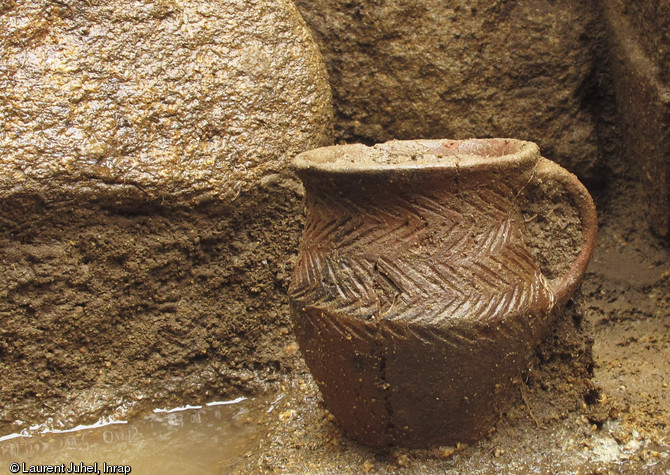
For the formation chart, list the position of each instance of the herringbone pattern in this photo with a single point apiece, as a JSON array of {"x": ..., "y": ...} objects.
[{"x": 430, "y": 257}]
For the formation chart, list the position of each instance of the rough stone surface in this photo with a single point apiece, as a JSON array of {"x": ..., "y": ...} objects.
[
  {"x": 146, "y": 222},
  {"x": 170, "y": 98},
  {"x": 639, "y": 52},
  {"x": 406, "y": 69}
]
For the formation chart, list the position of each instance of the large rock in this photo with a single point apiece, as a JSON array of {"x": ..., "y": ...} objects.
[
  {"x": 146, "y": 222},
  {"x": 432, "y": 69},
  {"x": 639, "y": 33},
  {"x": 172, "y": 98}
]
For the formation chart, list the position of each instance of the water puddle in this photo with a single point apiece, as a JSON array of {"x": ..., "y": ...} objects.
[{"x": 208, "y": 439}]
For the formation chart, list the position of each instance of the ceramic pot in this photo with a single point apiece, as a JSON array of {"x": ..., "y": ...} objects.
[{"x": 415, "y": 299}]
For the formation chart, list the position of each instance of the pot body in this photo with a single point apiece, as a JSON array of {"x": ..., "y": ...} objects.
[{"x": 415, "y": 300}]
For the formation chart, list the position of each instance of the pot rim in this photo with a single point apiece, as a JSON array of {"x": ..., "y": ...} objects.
[{"x": 420, "y": 154}]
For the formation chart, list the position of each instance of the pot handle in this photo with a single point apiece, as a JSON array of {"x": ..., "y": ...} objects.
[{"x": 546, "y": 171}]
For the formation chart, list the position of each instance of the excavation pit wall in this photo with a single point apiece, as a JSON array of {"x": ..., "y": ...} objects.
[{"x": 107, "y": 305}]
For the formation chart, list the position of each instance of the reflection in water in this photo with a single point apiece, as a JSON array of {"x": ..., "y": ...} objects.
[{"x": 207, "y": 439}]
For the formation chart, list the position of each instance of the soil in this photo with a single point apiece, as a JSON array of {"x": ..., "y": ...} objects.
[{"x": 112, "y": 309}]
